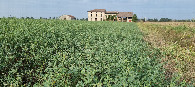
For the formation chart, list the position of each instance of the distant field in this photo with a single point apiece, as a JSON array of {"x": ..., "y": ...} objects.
[
  {"x": 187, "y": 24},
  {"x": 177, "y": 43}
]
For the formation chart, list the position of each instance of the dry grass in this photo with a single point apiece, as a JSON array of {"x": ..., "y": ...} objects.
[
  {"x": 177, "y": 43},
  {"x": 187, "y": 24}
]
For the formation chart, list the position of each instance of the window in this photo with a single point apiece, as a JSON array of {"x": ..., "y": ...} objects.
[
  {"x": 101, "y": 15},
  {"x": 91, "y": 12},
  {"x": 101, "y": 19},
  {"x": 95, "y": 19},
  {"x": 129, "y": 17},
  {"x": 96, "y": 15},
  {"x": 91, "y": 15}
]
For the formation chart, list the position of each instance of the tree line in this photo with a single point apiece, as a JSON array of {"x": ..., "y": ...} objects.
[
  {"x": 134, "y": 19},
  {"x": 166, "y": 20}
]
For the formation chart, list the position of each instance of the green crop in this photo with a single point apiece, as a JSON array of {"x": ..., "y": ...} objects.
[{"x": 76, "y": 53}]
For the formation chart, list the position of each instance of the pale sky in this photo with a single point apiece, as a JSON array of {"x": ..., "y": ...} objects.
[{"x": 174, "y": 9}]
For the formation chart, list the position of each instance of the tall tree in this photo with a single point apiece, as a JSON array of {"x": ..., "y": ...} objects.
[{"x": 134, "y": 19}]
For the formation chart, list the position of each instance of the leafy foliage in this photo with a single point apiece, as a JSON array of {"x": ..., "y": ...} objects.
[
  {"x": 76, "y": 53},
  {"x": 153, "y": 20},
  {"x": 134, "y": 19},
  {"x": 165, "y": 20},
  {"x": 111, "y": 18}
]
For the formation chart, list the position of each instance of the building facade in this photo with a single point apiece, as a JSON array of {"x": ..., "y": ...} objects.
[
  {"x": 96, "y": 15},
  {"x": 102, "y": 14},
  {"x": 67, "y": 17}
]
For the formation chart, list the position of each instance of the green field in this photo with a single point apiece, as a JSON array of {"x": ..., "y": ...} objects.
[{"x": 77, "y": 53}]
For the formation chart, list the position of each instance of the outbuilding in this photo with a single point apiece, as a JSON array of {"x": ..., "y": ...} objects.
[
  {"x": 67, "y": 17},
  {"x": 125, "y": 16}
]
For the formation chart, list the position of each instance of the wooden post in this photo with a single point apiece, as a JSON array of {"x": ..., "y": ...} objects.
[{"x": 122, "y": 19}]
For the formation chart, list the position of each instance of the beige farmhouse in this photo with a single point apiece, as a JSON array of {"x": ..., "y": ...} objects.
[
  {"x": 102, "y": 14},
  {"x": 67, "y": 17}
]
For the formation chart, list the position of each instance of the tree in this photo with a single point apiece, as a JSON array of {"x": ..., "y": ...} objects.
[
  {"x": 153, "y": 20},
  {"x": 134, "y": 19},
  {"x": 165, "y": 20},
  {"x": 112, "y": 17},
  {"x": 193, "y": 20},
  {"x": 27, "y": 17},
  {"x": 109, "y": 18}
]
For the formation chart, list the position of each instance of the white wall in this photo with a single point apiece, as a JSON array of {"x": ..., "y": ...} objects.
[
  {"x": 99, "y": 17},
  {"x": 65, "y": 17}
]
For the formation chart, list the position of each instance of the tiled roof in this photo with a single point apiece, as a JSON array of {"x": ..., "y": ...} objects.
[
  {"x": 97, "y": 10},
  {"x": 71, "y": 16},
  {"x": 119, "y": 14},
  {"x": 125, "y": 14},
  {"x": 111, "y": 12}
]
